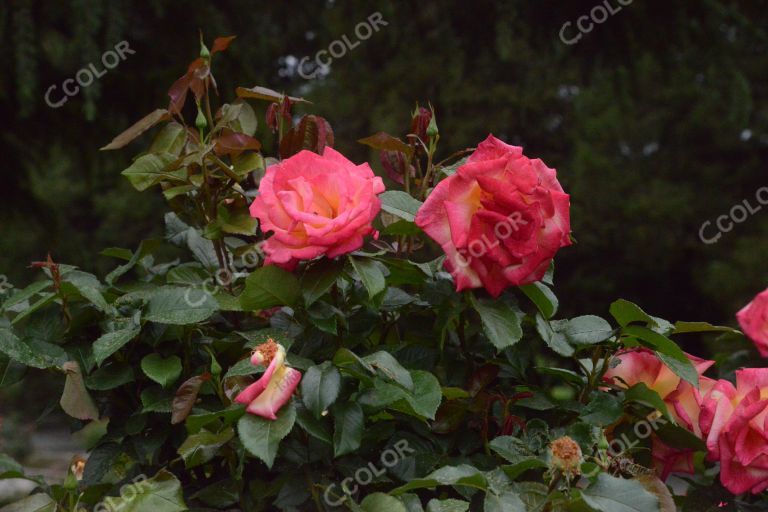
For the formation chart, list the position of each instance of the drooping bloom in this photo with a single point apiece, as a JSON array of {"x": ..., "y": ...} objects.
[
  {"x": 500, "y": 218},
  {"x": 316, "y": 205},
  {"x": 753, "y": 319},
  {"x": 273, "y": 390}
]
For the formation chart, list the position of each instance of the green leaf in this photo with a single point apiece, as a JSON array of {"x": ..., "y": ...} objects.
[
  {"x": 587, "y": 330},
  {"x": 542, "y": 295},
  {"x": 161, "y": 493},
  {"x": 261, "y": 437},
  {"x": 370, "y": 274},
  {"x": 156, "y": 399},
  {"x": 149, "y": 170},
  {"x": 163, "y": 371},
  {"x": 501, "y": 322},
  {"x": 666, "y": 350},
  {"x": 380, "y": 502},
  {"x": 400, "y": 204},
  {"x": 642, "y": 394},
  {"x": 626, "y": 312},
  {"x": 685, "y": 327},
  {"x": 23, "y": 353},
  {"x": 26, "y": 293},
  {"x": 612, "y": 494},
  {"x": 348, "y": 428},
  {"x": 391, "y": 368},
  {"x": 507, "y": 501},
  {"x": 602, "y": 410},
  {"x": 89, "y": 287},
  {"x": 75, "y": 399},
  {"x": 447, "y": 505},
  {"x": 320, "y": 387},
  {"x": 146, "y": 247},
  {"x": 179, "y": 306},
  {"x": 110, "y": 376},
  {"x": 227, "y": 417},
  {"x": 40, "y": 502},
  {"x": 200, "y": 448},
  {"x": 318, "y": 279},
  {"x": 555, "y": 339},
  {"x": 11, "y": 371},
  {"x": 427, "y": 394},
  {"x": 111, "y": 342},
  {"x": 461, "y": 475},
  {"x": 311, "y": 425},
  {"x": 269, "y": 286}
]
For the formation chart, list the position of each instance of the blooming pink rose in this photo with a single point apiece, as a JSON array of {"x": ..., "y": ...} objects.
[
  {"x": 500, "y": 218},
  {"x": 736, "y": 422},
  {"x": 316, "y": 205},
  {"x": 753, "y": 319},
  {"x": 668, "y": 460},
  {"x": 273, "y": 390}
]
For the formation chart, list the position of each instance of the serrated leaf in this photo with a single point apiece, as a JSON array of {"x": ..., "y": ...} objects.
[
  {"x": 348, "y": 422},
  {"x": 269, "y": 286},
  {"x": 612, "y": 494},
  {"x": 400, "y": 204},
  {"x": 164, "y": 371},
  {"x": 261, "y": 437},
  {"x": 179, "y": 306},
  {"x": 370, "y": 274},
  {"x": 111, "y": 342},
  {"x": 149, "y": 170},
  {"x": 320, "y": 387},
  {"x": 501, "y": 322}
]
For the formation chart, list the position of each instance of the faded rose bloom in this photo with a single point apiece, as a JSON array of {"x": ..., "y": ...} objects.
[
  {"x": 753, "y": 319},
  {"x": 566, "y": 456},
  {"x": 316, "y": 205},
  {"x": 273, "y": 390},
  {"x": 500, "y": 218}
]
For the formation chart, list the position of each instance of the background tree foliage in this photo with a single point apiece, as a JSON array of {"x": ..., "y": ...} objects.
[{"x": 656, "y": 121}]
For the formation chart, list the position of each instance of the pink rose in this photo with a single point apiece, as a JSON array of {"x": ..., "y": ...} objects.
[
  {"x": 316, "y": 205},
  {"x": 683, "y": 401},
  {"x": 753, "y": 319},
  {"x": 642, "y": 365},
  {"x": 273, "y": 390},
  {"x": 500, "y": 218},
  {"x": 736, "y": 422}
]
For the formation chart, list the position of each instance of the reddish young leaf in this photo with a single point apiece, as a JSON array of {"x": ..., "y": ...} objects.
[
  {"x": 384, "y": 141},
  {"x": 220, "y": 44},
  {"x": 139, "y": 127},
  {"x": 186, "y": 396},
  {"x": 262, "y": 93},
  {"x": 235, "y": 143},
  {"x": 313, "y": 133}
]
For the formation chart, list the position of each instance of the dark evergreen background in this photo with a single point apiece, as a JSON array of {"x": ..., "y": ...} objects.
[{"x": 656, "y": 120}]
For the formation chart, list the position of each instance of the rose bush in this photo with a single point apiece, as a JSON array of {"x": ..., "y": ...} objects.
[{"x": 296, "y": 343}]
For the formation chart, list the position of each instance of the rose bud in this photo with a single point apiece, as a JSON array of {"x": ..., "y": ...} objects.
[{"x": 420, "y": 122}]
